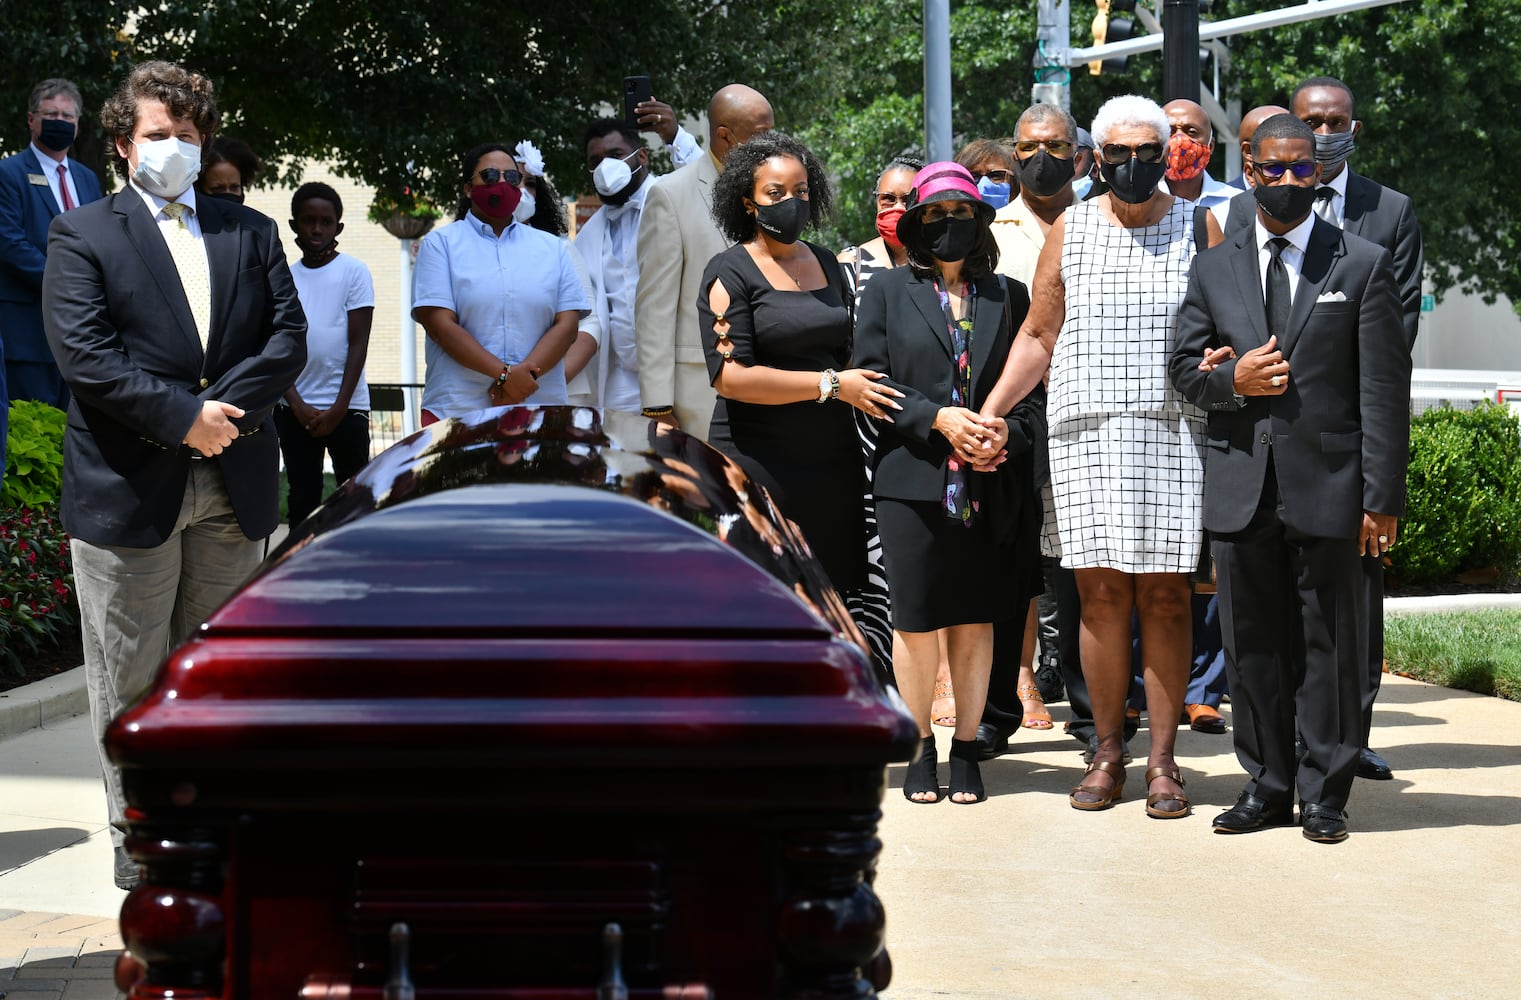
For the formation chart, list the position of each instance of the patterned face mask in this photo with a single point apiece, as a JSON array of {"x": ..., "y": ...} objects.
[{"x": 1186, "y": 157}]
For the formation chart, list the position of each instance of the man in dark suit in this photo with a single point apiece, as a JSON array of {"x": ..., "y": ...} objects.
[
  {"x": 176, "y": 325},
  {"x": 1289, "y": 337},
  {"x": 36, "y": 185}
]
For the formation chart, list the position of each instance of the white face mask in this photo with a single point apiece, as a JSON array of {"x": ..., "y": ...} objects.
[
  {"x": 166, "y": 167},
  {"x": 525, "y": 209},
  {"x": 612, "y": 175}
]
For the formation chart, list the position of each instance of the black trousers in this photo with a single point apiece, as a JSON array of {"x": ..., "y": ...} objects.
[
  {"x": 1295, "y": 651},
  {"x": 349, "y": 446},
  {"x": 1003, "y": 708},
  {"x": 1373, "y": 615}
]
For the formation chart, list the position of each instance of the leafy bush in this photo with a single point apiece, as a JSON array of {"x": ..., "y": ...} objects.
[
  {"x": 1463, "y": 508},
  {"x": 37, "y": 604},
  {"x": 33, "y": 455}
]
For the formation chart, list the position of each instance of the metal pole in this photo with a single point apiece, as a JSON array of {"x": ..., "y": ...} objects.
[
  {"x": 1180, "y": 50},
  {"x": 408, "y": 345},
  {"x": 1053, "y": 34},
  {"x": 937, "y": 79}
]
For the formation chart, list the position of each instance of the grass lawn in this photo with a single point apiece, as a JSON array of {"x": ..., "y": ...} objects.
[{"x": 1476, "y": 650}]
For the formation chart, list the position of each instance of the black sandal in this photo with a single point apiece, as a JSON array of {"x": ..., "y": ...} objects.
[
  {"x": 966, "y": 775},
  {"x": 921, "y": 775}
]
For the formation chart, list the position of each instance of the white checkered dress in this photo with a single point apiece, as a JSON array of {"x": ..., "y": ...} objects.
[{"x": 1127, "y": 471}]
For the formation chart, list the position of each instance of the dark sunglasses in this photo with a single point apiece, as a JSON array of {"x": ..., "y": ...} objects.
[
  {"x": 1146, "y": 152},
  {"x": 1059, "y": 148},
  {"x": 996, "y": 176},
  {"x": 490, "y": 175},
  {"x": 1272, "y": 169}
]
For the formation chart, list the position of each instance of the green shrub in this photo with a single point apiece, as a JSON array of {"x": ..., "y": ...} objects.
[
  {"x": 1463, "y": 508},
  {"x": 37, "y": 604},
  {"x": 33, "y": 455}
]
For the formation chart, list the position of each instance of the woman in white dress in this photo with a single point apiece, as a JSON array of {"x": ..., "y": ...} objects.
[{"x": 1126, "y": 468}]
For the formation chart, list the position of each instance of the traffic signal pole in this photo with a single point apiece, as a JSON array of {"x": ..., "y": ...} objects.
[{"x": 1180, "y": 50}]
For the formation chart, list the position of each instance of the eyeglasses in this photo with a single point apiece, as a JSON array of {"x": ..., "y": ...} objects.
[
  {"x": 934, "y": 213},
  {"x": 996, "y": 176},
  {"x": 887, "y": 199},
  {"x": 1059, "y": 148},
  {"x": 1272, "y": 169},
  {"x": 1146, "y": 152},
  {"x": 490, "y": 175}
]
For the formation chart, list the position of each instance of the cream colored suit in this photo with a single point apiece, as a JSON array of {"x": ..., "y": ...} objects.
[{"x": 677, "y": 238}]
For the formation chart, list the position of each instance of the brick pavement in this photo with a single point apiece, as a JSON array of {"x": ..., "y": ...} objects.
[{"x": 53, "y": 956}]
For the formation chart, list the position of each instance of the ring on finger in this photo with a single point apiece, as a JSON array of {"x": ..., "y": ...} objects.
[{"x": 1277, "y": 380}]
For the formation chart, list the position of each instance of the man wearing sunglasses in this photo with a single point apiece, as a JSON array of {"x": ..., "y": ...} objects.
[
  {"x": 1189, "y": 149},
  {"x": 1289, "y": 337}
]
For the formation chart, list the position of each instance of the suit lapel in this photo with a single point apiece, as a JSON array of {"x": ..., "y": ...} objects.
[
  {"x": 1248, "y": 271},
  {"x": 927, "y": 301},
  {"x": 142, "y": 233},
  {"x": 1355, "y": 207},
  {"x": 1319, "y": 259},
  {"x": 42, "y": 192},
  {"x": 985, "y": 325},
  {"x": 220, "y": 233}
]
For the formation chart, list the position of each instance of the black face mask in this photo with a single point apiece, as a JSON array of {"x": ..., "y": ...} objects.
[
  {"x": 1285, "y": 202},
  {"x": 56, "y": 134},
  {"x": 228, "y": 196},
  {"x": 1133, "y": 181},
  {"x": 950, "y": 239},
  {"x": 783, "y": 221},
  {"x": 1042, "y": 174}
]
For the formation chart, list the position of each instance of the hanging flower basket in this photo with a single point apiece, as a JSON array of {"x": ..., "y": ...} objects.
[{"x": 407, "y": 216}]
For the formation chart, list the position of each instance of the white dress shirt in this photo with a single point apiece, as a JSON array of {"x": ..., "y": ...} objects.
[
  {"x": 1338, "y": 214},
  {"x": 1291, "y": 255},
  {"x": 49, "y": 169}
]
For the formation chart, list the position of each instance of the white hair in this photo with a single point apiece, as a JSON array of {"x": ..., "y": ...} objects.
[{"x": 1129, "y": 109}]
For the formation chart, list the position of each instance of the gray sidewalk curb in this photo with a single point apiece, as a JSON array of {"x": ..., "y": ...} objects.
[
  {"x": 1450, "y": 602},
  {"x": 34, "y": 705}
]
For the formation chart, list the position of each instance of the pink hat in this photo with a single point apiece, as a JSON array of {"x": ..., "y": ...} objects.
[{"x": 943, "y": 181}]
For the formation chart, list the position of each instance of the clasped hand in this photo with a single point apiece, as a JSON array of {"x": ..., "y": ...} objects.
[
  {"x": 521, "y": 383},
  {"x": 1262, "y": 371},
  {"x": 213, "y": 429},
  {"x": 976, "y": 439},
  {"x": 863, "y": 390}
]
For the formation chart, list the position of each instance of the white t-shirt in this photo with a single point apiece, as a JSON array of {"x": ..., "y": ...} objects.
[{"x": 328, "y": 294}]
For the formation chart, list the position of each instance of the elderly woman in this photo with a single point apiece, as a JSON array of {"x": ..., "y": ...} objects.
[
  {"x": 1126, "y": 468},
  {"x": 955, "y": 499},
  {"x": 499, "y": 300}
]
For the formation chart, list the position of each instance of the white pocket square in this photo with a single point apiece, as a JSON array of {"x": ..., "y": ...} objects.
[{"x": 1332, "y": 297}]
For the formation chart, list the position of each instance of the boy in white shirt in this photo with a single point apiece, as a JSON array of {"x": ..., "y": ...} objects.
[{"x": 327, "y": 410}]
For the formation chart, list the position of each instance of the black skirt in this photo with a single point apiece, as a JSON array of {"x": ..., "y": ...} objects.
[{"x": 941, "y": 572}]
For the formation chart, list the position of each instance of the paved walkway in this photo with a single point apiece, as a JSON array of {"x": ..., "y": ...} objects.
[{"x": 1023, "y": 896}]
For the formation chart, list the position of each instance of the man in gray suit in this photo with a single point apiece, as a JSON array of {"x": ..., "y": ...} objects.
[
  {"x": 677, "y": 238},
  {"x": 1290, "y": 338}
]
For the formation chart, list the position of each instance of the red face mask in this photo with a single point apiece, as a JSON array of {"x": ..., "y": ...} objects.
[
  {"x": 1186, "y": 157},
  {"x": 887, "y": 226},
  {"x": 496, "y": 201}
]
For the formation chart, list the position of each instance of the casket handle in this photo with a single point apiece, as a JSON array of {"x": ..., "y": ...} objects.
[
  {"x": 612, "y": 986},
  {"x": 399, "y": 983}
]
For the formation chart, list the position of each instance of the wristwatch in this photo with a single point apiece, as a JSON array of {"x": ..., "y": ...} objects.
[{"x": 829, "y": 385}]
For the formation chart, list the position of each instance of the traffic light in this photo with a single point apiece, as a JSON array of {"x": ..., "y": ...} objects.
[{"x": 1107, "y": 27}]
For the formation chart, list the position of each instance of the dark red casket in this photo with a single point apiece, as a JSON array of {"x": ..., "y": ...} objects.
[{"x": 533, "y": 708}]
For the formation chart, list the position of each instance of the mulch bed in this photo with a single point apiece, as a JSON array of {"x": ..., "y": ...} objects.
[{"x": 45, "y": 663}]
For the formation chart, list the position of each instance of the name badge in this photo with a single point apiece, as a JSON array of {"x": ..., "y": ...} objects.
[{"x": 37, "y": 179}]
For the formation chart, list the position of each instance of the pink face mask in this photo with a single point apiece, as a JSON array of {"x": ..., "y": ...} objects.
[
  {"x": 887, "y": 226},
  {"x": 495, "y": 201}
]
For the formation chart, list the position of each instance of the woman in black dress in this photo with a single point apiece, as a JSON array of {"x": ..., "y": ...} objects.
[
  {"x": 956, "y": 502},
  {"x": 776, "y": 329}
]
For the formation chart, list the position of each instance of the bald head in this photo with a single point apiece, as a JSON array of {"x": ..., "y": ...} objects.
[
  {"x": 1189, "y": 118},
  {"x": 1249, "y": 123},
  {"x": 736, "y": 113}
]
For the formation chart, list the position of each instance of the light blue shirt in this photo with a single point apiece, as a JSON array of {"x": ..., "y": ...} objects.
[{"x": 505, "y": 290}]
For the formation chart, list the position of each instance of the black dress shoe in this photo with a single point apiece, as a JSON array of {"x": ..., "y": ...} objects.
[
  {"x": 990, "y": 742},
  {"x": 1251, "y": 813},
  {"x": 1322, "y": 824},
  {"x": 128, "y": 873},
  {"x": 1370, "y": 765}
]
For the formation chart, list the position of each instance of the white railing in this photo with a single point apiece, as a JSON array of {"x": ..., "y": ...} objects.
[{"x": 1463, "y": 388}]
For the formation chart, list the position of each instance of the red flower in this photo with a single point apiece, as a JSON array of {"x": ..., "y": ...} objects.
[{"x": 5, "y": 603}]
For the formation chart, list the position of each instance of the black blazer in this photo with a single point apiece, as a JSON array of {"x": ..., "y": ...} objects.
[
  {"x": 901, "y": 331},
  {"x": 1379, "y": 215},
  {"x": 121, "y": 331},
  {"x": 1340, "y": 434}
]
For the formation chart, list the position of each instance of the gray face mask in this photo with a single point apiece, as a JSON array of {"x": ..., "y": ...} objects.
[{"x": 1332, "y": 150}]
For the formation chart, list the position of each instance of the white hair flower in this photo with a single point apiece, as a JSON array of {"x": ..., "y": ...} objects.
[{"x": 530, "y": 159}]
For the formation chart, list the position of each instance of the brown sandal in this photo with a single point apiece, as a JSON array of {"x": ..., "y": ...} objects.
[
  {"x": 1152, "y": 774},
  {"x": 943, "y": 709},
  {"x": 1106, "y": 796},
  {"x": 1041, "y": 717}
]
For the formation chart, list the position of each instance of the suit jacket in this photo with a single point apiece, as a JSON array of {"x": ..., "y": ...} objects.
[
  {"x": 121, "y": 330},
  {"x": 901, "y": 331},
  {"x": 26, "y": 211},
  {"x": 677, "y": 238},
  {"x": 1340, "y": 434},
  {"x": 1379, "y": 215}
]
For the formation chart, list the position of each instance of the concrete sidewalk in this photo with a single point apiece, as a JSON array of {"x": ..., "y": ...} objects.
[{"x": 1023, "y": 896}]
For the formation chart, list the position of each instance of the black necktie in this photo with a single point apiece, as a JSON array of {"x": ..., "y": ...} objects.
[{"x": 1279, "y": 297}]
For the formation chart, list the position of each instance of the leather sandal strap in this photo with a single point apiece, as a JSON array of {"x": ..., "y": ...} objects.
[
  {"x": 1153, "y": 773},
  {"x": 1109, "y": 767}
]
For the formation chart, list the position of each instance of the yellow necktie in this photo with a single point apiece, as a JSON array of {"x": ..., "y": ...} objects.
[{"x": 190, "y": 261}]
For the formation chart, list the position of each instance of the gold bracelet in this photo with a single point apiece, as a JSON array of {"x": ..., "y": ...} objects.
[{"x": 657, "y": 411}]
